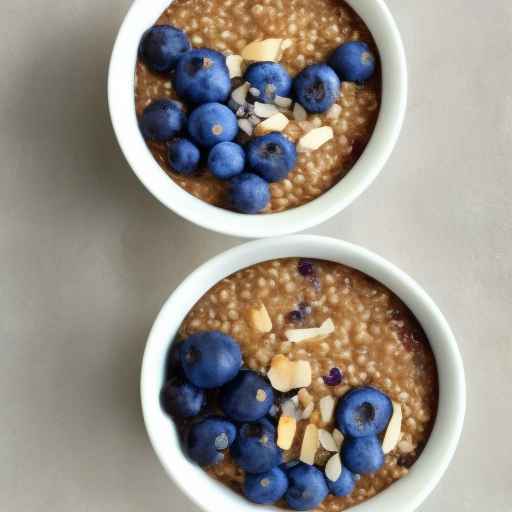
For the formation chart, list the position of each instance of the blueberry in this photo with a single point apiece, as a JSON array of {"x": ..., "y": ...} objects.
[
  {"x": 353, "y": 61},
  {"x": 212, "y": 123},
  {"x": 266, "y": 488},
  {"x": 183, "y": 156},
  {"x": 208, "y": 439},
  {"x": 162, "y": 46},
  {"x": 344, "y": 485},
  {"x": 362, "y": 455},
  {"x": 255, "y": 449},
  {"x": 249, "y": 193},
  {"x": 181, "y": 398},
  {"x": 203, "y": 77},
  {"x": 162, "y": 120},
  {"x": 306, "y": 487},
  {"x": 363, "y": 411},
  {"x": 226, "y": 160},
  {"x": 248, "y": 397},
  {"x": 271, "y": 156},
  {"x": 210, "y": 359},
  {"x": 317, "y": 87},
  {"x": 270, "y": 78}
]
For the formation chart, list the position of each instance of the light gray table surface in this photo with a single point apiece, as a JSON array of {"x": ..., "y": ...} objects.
[{"x": 87, "y": 256}]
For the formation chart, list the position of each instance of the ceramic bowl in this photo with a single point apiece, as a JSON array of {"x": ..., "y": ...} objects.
[
  {"x": 403, "y": 496},
  {"x": 121, "y": 85}
]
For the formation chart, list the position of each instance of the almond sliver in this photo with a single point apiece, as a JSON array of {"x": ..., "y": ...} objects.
[
  {"x": 314, "y": 333},
  {"x": 234, "y": 64},
  {"x": 327, "y": 441},
  {"x": 299, "y": 112},
  {"x": 392, "y": 435},
  {"x": 286, "y": 429},
  {"x": 327, "y": 408},
  {"x": 301, "y": 374},
  {"x": 265, "y": 110},
  {"x": 268, "y": 49},
  {"x": 260, "y": 319},
  {"x": 280, "y": 373},
  {"x": 277, "y": 123},
  {"x": 333, "y": 468},
  {"x": 308, "y": 411},
  {"x": 338, "y": 437},
  {"x": 314, "y": 139},
  {"x": 309, "y": 445}
]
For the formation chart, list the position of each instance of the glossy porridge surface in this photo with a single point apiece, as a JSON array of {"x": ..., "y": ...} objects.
[
  {"x": 376, "y": 341},
  {"x": 316, "y": 28}
]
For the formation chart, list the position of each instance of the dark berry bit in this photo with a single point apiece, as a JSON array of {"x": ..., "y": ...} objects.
[
  {"x": 305, "y": 268},
  {"x": 294, "y": 316},
  {"x": 334, "y": 378}
]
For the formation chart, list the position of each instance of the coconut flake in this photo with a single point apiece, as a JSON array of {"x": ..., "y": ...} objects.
[
  {"x": 333, "y": 468},
  {"x": 327, "y": 408},
  {"x": 315, "y": 333},
  {"x": 392, "y": 435}
]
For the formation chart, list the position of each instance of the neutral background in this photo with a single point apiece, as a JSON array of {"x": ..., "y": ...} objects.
[{"x": 87, "y": 256}]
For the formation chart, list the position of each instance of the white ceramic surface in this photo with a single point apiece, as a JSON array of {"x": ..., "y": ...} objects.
[
  {"x": 143, "y": 14},
  {"x": 403, "y": 496}
]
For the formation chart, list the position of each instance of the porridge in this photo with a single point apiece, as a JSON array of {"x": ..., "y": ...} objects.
[
  {"x": 338, "y": 385},
  {"x": 295, "y": 36}
]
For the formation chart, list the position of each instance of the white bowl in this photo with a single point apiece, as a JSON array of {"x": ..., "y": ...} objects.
[
  {"x": 404, "y": 495},
  {"x": 142, "y": 15}
]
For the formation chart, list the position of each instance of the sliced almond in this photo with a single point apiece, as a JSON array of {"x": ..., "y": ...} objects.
[
  {"x": 280, "y": 373},
  {"x": 255, "y": 92},
  {"x": 246, "y": 126},
  {"x": 239, "y": 94},
  {"x": 286, "y": 429},
  {"x": 306, "y": 413},
  {"x": 260, "y": 319},
  {"x": 265, "y": 110},
  {"x": 304, "y": 397},
  {"x": 277, "y": 123},
  {"x": 281, "y": 101},
  {"x": 334, "y": 112},
  {"x": 299, "y": 112},
  {"x": 310, "y": 445},
  {"x": 327, "y": 408},
  {"x": 285, "y": 375},
  {"x": 315, "y": 333},
  {"x": 392, "y": 435},
  {"x": 333, "y": 468},
  {"x": 327, "y": 441},
  {"x": 302, "y": 375},
  {"x": 315, "y": 139},
  {"x": 268, "y": 49},
  {"x": 338, "y": 437},
  {"x": 234, "y": 64}
]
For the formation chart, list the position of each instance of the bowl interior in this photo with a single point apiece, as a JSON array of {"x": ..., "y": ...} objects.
[
  {"x": 404, "y": 495},
  {"x": 143, "y": 14}
]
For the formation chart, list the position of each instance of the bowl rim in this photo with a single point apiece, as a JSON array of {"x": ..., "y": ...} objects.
[
  {"x": 404, "y": 495},
  {"x": 121, "y": 84}
]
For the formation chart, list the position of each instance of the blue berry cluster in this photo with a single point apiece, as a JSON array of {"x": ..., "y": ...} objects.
[
  {"x": 210, "y": 365},
  {"x": 207, "y": 135}
]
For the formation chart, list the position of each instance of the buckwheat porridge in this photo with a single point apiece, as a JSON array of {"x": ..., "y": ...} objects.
[
  {"x": 324, "y": 370},
  {"x": 297, "y": 36}
]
